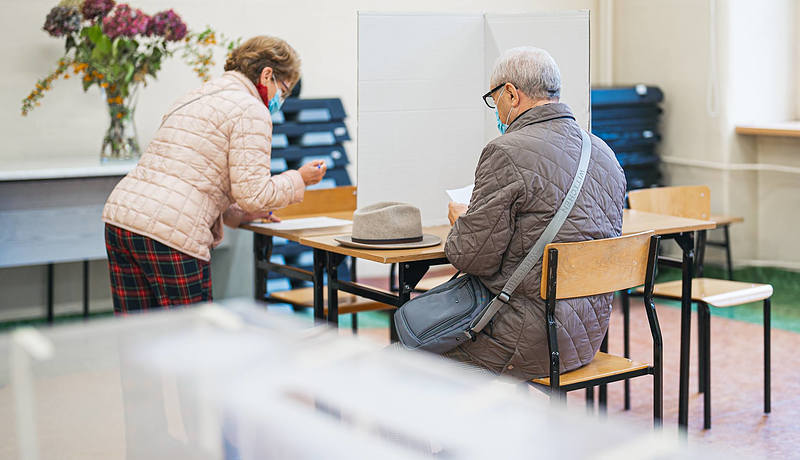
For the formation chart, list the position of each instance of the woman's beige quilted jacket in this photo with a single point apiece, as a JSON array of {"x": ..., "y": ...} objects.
[{"x": 207, "y": 155}]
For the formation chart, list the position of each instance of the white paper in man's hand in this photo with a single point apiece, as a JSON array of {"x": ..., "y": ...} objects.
[{"x": 461, "y": 195}]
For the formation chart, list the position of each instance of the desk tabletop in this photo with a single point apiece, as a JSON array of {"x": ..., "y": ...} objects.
[
  {"x": 384, "y": 256},
  {"x": 297, "y": 235},
  {"x": 633, "y": 222},
  {"x": 721, "y": 219},
  {"x": 639, "y": 221}
]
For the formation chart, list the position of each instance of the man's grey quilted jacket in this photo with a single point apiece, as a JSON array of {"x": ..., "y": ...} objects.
[{"x": 520, "y": 181}]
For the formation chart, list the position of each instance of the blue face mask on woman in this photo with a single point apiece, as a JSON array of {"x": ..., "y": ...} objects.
[{"x": 276, "y": 102}]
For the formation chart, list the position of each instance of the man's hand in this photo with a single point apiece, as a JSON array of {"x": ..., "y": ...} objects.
[
  {"x": 313, "y": 172},
  {"x": 455, "y": 210}
]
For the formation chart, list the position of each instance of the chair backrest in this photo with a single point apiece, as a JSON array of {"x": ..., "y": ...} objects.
[
  {"x": 335, "y": 199},
  {"x": 693, "y": 202},
  {"x": 594, "y": 267}
]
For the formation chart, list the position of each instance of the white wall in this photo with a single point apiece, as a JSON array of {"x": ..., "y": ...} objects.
[
  {"x": 324, "y": 33},
  {"x": 72, "y": 123},
  {"x": 668, "y": 44}
]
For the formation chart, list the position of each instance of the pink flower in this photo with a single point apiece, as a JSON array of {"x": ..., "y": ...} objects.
[
  {"x": 93, "y": 9},
  {"x": 125, "y": 21},
  {"x": 167, "y": 24}
]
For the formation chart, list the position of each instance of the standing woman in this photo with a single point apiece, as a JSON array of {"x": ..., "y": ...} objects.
[{"x": 208, "y": 163}]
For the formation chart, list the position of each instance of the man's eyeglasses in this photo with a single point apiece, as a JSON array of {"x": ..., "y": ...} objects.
[{"x": 488, "y": 99}]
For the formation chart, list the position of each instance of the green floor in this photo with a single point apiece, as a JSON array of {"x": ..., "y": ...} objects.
[{"x": 785, "y": 302}]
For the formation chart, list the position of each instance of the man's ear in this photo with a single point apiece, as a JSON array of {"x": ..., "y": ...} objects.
[{"x": 514, "y": 92}]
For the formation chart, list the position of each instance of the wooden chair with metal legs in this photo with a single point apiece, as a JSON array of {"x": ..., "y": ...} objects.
[
  {"x": 587, "y": 268},
  {"x": 694, "y": 202},
  {"x": 723, "y": 223}
]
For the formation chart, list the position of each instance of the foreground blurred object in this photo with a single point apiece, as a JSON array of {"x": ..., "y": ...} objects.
[
  {"x": 212, "y": 382},
  {"x": 117, "y": 48}
]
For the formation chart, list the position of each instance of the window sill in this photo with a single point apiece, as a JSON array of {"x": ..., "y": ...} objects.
[{"x": 780, "y": 129}]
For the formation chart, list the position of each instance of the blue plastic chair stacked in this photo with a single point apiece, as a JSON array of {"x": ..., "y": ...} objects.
[
  {"x": 626, "y": 118},
  {"x": 306, "y": 130}
]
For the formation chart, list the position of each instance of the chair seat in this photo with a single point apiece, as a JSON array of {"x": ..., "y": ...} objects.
[
  {"x": 348, "y": 303},
  {"x": 603, "y": 365},
  {"x": 428, "y": 283},
  {"x": 718, "y": 293}
]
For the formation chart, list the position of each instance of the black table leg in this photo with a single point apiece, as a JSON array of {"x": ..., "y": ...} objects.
[
  {"x": 408, "y": 275},
  {"x": 686, "y": 242},
  {"x": 332, "y": 268},
  {"x": 728, "y": 251},
  {"x": 85, "y": 288},
  {"x": 50, "y": 292},
  {"x": 320, "y": 258},
  {"x": 260, "y": 275}
]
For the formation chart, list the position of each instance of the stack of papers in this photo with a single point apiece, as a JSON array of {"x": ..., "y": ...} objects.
[
  {"x": 303, "y": 224},
  {"x": 461, "y": 195}
]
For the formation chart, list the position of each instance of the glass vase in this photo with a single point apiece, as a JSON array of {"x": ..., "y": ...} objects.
[{"x": 121, "y": 141}]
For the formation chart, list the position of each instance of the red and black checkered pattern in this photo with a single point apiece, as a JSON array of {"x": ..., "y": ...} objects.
[{"x": 146, "y": 274}]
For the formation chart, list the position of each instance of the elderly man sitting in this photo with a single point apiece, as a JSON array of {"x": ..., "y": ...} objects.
[{"x": 521, "y": 180}]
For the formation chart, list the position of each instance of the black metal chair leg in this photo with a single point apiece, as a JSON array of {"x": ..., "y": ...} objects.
[
  {"x": 767, "y": 362},
  {"x": 728, "y": 251},
  {"x": 701, "y": 354},
  {"x": 86, "y": 289},
  {"x": 706, "y": 341},
  {"x": 590, "y": 400},
  {"x": 354, "y": 323},
  {"x": 626, "y": 341}
]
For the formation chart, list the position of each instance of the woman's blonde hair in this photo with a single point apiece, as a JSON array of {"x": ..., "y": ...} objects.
[{"x": 252, "y": 56}]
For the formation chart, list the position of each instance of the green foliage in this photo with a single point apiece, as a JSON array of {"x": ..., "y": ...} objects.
[{"x": 118, "y": 65}]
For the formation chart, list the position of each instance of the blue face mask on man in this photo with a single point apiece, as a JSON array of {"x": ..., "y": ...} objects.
[
  {"x": 502, "y": 127},
  {"x": 276, "y": 102}
]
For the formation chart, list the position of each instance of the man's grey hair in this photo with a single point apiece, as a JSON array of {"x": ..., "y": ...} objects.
[{"x": 532, "y": 70}]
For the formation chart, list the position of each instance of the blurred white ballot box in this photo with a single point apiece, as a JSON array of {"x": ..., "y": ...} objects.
[{"x": 238, "y": 382}]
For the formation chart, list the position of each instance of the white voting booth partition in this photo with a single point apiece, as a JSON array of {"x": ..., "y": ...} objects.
[{"x": 421, "y": 121}]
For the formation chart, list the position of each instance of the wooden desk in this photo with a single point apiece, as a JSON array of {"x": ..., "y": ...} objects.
[
  {"x": 297, "y": 235},
  {"x": 413, "y": 263},
  {"x": 639, "y": 221},
  {"x": 682, "y": 231},
  {"x": 412, "y": 266},
  {"x": 263, "y": 245},
  {"x": 721, "y": 220},
  {"x": 384, "y": 256}
]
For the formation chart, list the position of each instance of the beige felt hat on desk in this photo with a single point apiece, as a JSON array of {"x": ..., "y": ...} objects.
[{"x": 388, "y": 225}]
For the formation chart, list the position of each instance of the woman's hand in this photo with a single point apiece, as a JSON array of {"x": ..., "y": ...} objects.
[
  {"x": 455, "y": 210},
  {"x": 313, "y": 172},
  {"x": 267, "y": 216}
]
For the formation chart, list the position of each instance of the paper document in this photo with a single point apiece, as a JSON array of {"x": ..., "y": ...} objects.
[
  {"x": 461, "y": 195},
  {"x": 302, "y": 224}
]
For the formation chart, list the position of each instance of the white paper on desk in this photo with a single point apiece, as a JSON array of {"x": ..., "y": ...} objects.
[
  {"x": 461, "y": 195},
  {"x": 303, "y": 224}
]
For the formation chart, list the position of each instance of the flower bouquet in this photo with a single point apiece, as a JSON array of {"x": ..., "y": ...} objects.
[{"x": 118, "y": 48}]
